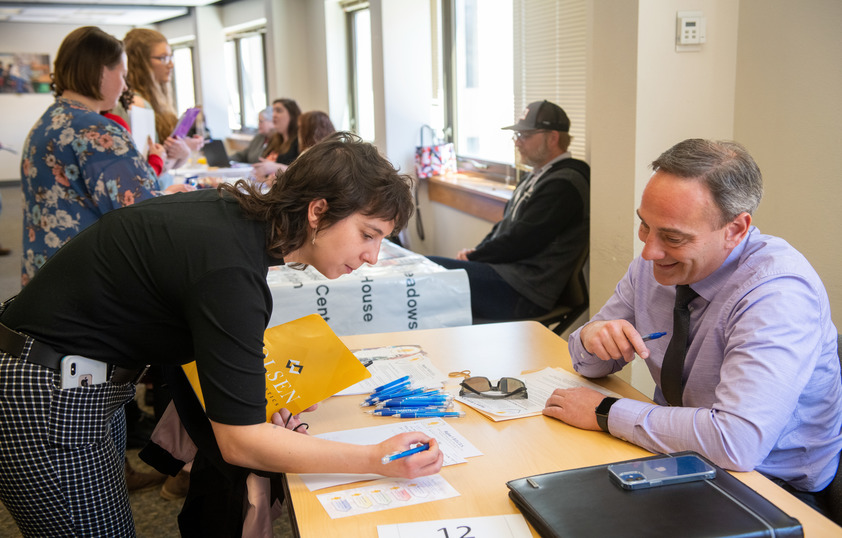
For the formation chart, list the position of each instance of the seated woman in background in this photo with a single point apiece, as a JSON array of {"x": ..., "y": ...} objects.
[
  {"x": 260, "y": 143},
  {"x": 313, "y": 126},
  {"x": 283, "y": 146}
]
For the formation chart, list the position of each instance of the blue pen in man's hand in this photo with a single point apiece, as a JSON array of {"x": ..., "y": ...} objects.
[
  {"x": 653, "y": 336},
  {"x": 414, "y": 449}
]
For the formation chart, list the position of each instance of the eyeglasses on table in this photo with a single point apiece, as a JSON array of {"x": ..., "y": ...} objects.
[{"x": 481, "y": 387}]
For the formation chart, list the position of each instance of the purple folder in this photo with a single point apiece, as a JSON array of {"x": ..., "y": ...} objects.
[{"x": 185, "y": 122}]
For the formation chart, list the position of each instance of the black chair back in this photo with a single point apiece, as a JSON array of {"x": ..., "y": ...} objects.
[
  {"x": 833, "y": 493},
  {"x": 573, "y": 301}
]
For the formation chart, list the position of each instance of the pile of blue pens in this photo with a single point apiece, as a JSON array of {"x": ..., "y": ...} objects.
[{"x": 398, "y": 399}]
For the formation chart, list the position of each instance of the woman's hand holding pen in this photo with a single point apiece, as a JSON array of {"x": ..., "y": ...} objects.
[
  {"x": 423, "y": 463},
  {"x": 613, "y": 339}
]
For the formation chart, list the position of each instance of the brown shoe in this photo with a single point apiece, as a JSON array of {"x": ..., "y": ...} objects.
[
  {"x": 175, "y": 487},
  {"x": 137, "y": 481}
]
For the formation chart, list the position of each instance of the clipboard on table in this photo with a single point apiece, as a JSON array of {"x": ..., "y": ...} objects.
[
  {"x": 185, "y": 122},
  {"x": 305, "y": 363},
  {"x": 586, "y": 502}
]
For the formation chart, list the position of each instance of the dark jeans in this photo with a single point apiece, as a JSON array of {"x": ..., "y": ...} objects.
[
  {"x": 815, "y": 500},
  {"x": 492, "y": 299}
]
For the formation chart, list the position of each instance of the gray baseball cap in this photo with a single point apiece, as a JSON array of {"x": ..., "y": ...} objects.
[{"x": 542, "y": 115}]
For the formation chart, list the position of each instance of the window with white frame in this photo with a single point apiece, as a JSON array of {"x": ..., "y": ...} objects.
[
  {"x": 500, "y": 55},
  {"x": 361, "y": 85},
  {"x": 481, "y": 79},
  {"x": 245, "y": 75},
  {"x": 184, "y": 91},
  {"x": 550, "y": 59}
]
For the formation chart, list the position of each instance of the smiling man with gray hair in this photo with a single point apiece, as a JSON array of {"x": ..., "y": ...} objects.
[{"x": 748, "y": 374}]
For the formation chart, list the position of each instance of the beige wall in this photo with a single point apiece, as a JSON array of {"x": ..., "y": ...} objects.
[
  {"x": 789, "y": 115},
  {"x": 660, "y": 97},
  {"x": 20, "y": 112}
]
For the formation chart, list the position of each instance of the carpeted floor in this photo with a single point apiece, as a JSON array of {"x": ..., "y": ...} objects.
[
  {"x": 154, "y": 515},
  {"x": 11, "y": 228}
]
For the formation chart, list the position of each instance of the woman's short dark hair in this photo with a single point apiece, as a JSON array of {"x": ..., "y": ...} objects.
[
  {"x": 80, "y": 59},
  {"x": 348, "y": 173}
]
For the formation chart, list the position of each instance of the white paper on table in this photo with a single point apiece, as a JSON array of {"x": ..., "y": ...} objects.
[
  {"x": 507, "y": 526},
  {"x": 385, "y": 494},
  {"x": 142, "y": 121},
  {"x": 419, "y": 368},
  {"x": 387, "y": 352},
  {"x": 539, "y": 386},
  {"x": 453, "y": 445}
]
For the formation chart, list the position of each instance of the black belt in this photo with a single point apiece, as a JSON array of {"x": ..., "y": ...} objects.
[{"x": 13, "y": 342}]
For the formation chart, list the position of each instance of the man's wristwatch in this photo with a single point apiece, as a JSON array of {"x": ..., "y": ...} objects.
[{"x": 602, "y": 412}]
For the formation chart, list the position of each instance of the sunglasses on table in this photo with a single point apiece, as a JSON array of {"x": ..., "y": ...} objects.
[{"x": 481, "y": 387}]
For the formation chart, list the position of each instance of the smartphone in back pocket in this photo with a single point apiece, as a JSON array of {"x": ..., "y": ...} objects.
[
  {"x": 79, "y": 371},
  {"x": 660, "y": 471}
]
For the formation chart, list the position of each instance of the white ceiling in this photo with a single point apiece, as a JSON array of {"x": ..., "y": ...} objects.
[{"x": 96, "y": 12}]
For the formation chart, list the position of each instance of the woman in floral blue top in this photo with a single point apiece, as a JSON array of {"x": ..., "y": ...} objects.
[{"x": 76, "y": 164}]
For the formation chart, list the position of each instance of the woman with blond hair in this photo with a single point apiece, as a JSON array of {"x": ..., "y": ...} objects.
[{"x": 150, "y": 67}]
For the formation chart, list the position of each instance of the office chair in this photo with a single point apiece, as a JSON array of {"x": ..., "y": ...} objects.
[
  {"x": 573, "y": 301},
  {"x": 833, "y": 494}
]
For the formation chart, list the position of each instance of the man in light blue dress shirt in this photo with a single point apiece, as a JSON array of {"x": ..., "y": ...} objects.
[{"x": 761, "y": 379}]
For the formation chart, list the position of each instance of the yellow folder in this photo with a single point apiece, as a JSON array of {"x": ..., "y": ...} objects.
[{"x": 305, "y": 363}]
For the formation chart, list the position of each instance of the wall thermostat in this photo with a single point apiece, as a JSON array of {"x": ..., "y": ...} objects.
[{"x": 689, "y": 31}]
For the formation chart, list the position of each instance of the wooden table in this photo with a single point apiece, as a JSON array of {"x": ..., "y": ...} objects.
[{"x": 512, "y": 449}]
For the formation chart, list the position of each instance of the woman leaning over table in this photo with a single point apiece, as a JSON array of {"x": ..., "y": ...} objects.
[
  {"x": 77, "y": 165},
  {"x": 175, "y": 279}
]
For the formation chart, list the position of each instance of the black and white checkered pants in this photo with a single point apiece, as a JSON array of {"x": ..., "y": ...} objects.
[{"x": 62, "y": 453}]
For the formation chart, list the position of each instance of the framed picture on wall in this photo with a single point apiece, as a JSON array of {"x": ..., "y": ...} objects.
[{"x": 24, "y": 72}]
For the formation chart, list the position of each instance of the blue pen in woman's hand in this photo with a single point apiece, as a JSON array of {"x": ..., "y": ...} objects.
[
  {"x": 653, "y": 336},
  {"x": 413, "y": 449}
]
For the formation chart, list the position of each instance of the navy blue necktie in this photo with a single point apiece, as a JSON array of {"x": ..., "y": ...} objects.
[{"x": 672, "y": 369}]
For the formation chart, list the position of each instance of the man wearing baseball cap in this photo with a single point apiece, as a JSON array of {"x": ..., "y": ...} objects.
[{"x": 521, "y": 267}]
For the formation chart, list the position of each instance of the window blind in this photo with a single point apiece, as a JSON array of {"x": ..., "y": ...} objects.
[{"x": 550, "y": 59}]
